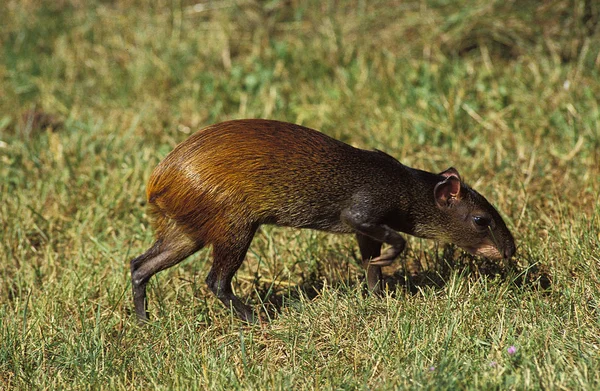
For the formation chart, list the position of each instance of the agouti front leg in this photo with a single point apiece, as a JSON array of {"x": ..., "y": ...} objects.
[
  {"x": 360, "y": 221},
  {"x": 390, "y": 254},
  {"x": 370, "y": 249},
  {"x": 227, "y": 259}
]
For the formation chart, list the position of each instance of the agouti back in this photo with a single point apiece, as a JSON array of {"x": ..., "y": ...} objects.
[{"x": 218, "y": 186}]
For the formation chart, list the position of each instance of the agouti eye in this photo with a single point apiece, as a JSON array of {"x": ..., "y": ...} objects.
[{"x": 482, "y": 221}]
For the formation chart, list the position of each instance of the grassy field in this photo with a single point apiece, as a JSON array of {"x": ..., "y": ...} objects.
[{"x": 93, "y": 94}]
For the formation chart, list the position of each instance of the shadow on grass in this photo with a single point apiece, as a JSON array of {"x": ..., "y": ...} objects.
[
  {"x": 410, "y": 279},
  {"x": 533, "y": 276}
]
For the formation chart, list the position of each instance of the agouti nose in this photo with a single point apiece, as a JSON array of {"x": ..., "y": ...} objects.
[{"x": 509, "y": 250}]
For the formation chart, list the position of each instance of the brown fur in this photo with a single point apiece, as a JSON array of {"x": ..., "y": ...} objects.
[{"x": 224, "y": 181}]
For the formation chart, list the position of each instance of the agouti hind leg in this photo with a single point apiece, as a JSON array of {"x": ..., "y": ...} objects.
[
  {"x": 370, "y": 249},
  {"x": 227, "y": 259},
  {"x": 162, "y": 255}
]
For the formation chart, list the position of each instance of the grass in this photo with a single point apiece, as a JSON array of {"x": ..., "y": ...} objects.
[{"x": 95, "y": 94}]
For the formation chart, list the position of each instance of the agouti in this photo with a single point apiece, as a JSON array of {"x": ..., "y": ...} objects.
[{"x": 218, "y": 186}]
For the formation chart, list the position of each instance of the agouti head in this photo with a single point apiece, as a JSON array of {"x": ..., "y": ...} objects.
[{"x": 468, "y": 220}]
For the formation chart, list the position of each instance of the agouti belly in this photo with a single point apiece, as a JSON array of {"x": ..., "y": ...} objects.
[{"x": 219, "y": 185}]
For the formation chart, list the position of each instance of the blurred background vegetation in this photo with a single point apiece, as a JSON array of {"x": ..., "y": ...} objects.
[{"x": 93, "y": 94}]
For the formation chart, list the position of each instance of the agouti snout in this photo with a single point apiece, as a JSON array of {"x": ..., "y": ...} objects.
[{"x": 218, "y": 186}]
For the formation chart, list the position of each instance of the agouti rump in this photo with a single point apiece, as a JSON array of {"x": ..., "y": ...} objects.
[{"x": 218, "y": 186}]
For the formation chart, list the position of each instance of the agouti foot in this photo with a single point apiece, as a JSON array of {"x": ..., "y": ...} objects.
[
  {"x": 381, "y": 261},
  {"x": 387, "y": 258},
  {"x": 250, "y": 317}
]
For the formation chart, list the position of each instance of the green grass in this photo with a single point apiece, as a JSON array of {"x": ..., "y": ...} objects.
[{"x": 94, "y": 94}]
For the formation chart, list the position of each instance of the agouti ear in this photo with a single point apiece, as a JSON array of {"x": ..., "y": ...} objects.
[
  {"x": 447, "y": 191},
  {"x": 451, "y": 172}
]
